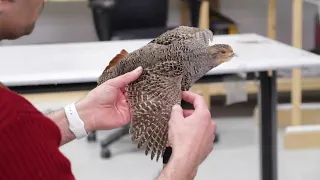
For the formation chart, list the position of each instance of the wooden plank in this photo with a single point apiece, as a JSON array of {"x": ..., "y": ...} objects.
[
  {"x": 272, "y": 22},
  {"x": 302, "y": 137},
  {"x": 184, "y": 13},
  {"x": 296, "y": 73},
  {"x": 283, "y": 85},
  {"x": 310, "y": 114},
  {"x": 55, "y": 97},
  {"x": 297, "y": 136},
  {"x": 204, "y": 15},
  {"x": 272, "y": 19}
]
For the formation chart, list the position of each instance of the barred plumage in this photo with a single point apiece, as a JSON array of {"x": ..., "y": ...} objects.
[{"x": 171, "y": 63}]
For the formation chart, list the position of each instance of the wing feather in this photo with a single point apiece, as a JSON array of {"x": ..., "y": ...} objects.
[{"x": 151, "y": 98}]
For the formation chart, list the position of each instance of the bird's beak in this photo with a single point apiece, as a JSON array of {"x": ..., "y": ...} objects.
[{"x": 235, "y": 55}]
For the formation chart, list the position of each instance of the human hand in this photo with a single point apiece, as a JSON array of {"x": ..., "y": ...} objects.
[
  {"x": 106, "y": 106},
  {"x": 191, "y": 133}
]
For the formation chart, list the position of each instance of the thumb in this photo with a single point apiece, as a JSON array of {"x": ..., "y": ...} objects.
[
  {"x": 123, "y": 80},
  {"x": 176, "y": 115},
  {"x": 177, "y": 112}
]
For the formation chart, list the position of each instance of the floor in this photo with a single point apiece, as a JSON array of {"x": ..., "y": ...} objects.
[{"x": 235, "y": 156}]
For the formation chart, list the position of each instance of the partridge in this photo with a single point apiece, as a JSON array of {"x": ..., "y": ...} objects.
[{"x": 171, "y": 63}]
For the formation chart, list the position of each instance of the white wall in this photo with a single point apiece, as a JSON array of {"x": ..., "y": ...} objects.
[
  {"x": 72, "y": 22},
  {"x": 251, "y": 16},
  {"x": 61, "y": 22}
]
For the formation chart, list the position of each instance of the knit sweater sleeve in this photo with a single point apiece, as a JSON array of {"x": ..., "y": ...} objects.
[{"x": 29, "y": 142}]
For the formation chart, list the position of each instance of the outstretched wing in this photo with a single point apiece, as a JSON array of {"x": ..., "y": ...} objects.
[{"x": 151, "y": 98}]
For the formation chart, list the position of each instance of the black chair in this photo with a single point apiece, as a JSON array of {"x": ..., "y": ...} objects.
[{"x": 129, "y": 19}]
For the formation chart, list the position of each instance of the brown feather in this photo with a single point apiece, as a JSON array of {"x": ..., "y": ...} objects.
[{"x": 116, "y": 60}]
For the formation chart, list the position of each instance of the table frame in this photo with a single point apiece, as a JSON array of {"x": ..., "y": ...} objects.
[{"x": 268, "y": 125}]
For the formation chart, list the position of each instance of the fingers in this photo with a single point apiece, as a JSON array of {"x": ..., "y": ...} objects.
[
  {"x": 187, "y": 112},
  {"x": 177, "y": 112},
  {"x": 195, "y": 99},
  {"x": 213, "y": 130},
  {"x": 123, "y": 80},
  {"x": 214, "y": 125}
]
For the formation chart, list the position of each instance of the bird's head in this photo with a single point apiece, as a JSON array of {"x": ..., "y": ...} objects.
[{"x": 223, "y": 53}]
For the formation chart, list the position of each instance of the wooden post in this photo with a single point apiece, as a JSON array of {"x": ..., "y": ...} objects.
[
  {"x": 204, "y": 15},
  {"x": 272, "y": 22},
  {"x": 184, "y": 13},
  {"x": 204, "y": 21},
  {"x": 296, "y": 73},
  {"x": 272, "y": 16}
]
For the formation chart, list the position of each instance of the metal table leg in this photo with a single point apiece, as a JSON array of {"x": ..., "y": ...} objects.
[{"x": 268, "y": 126}]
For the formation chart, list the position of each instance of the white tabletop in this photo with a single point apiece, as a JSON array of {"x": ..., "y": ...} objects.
[{"x": 84, "y": 62}]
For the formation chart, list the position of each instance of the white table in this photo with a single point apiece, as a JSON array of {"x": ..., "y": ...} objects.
[{"x": 84, "y": 62}]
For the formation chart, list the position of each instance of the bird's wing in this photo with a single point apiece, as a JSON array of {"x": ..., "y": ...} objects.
[
  {"x": 108, "y": 72},
  {"x": 151, "y": 98},
  {"x": 116, "y": 60}
]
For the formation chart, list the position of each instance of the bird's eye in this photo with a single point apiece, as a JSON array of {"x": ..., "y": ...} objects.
[{"x": 223, "y": 52}]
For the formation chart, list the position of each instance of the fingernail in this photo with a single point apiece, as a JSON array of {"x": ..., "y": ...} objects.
[
  {"x": 138, "y": 69},
  {"x": 176, "y": 107}
]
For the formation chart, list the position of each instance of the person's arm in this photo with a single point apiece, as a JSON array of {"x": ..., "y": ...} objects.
[
  {"x": 178, "y": 169},
  {"x": 94, "y": 108},
  {"x": 29, "y": 142},
  {"x": 60, "y": 119}
]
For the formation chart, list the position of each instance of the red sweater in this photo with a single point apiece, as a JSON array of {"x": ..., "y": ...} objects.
[{"x": 29, "y": 142}]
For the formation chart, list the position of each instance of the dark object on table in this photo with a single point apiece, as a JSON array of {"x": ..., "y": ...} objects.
[
  {"x": 315, "y": 50},
  {"x": 219, "y": 23}
]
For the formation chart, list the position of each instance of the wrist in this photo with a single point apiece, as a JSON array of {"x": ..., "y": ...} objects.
[
  {"x": 184, "y": 164},
  {"x": 85, "y": 115}
]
